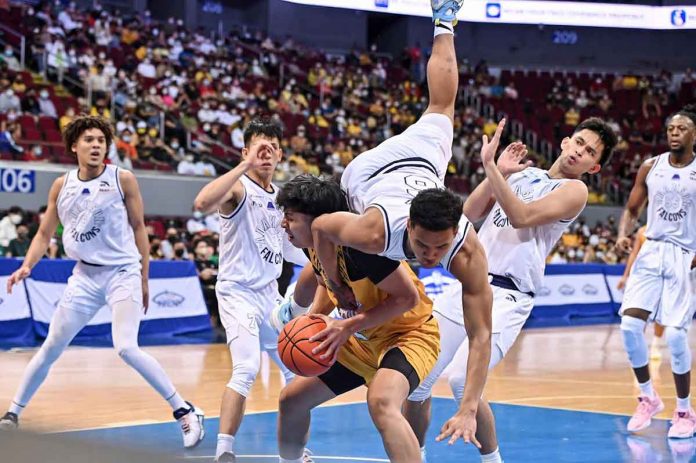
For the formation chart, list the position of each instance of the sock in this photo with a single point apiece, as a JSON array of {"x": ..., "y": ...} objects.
[
  {"x": 444, "y": 27},
  {"x": 285, "y": 460},
  {"x": 15, "y": 408},
  {"x": 646, "y": 389},
  {"x": 176, "y": 401},
  {"x": 225, "y": 443},
  {"x": 423, "y": 459},
  {"x": 493, "y": 457},
  {"x": 684, "y": 404}
]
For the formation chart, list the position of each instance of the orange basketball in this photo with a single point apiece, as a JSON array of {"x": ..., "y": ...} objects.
[{"x": 295, "y": 349}]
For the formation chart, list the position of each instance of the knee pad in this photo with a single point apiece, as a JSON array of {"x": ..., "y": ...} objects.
[
  {"x": 634, "y": 341},
  {"x": 243, "y": 375},
  {"x": 678, "y": 343},
  {"x": 423, "y": 391},
  {"x": 456, "y": 383}
]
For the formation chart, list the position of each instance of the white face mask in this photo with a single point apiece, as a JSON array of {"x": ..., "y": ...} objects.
[{"x": 15, "y": 219}]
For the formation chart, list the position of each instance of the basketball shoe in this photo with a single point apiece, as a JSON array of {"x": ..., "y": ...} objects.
[
  {"x": 191, "y": 422},
  {"x": 683, "y": 424},
  {"x": 446, "y": 10},
  {"x": 227, "y": 457},
  {"x": 647, "y": 408},
  {"x": 9, "y": 422}
]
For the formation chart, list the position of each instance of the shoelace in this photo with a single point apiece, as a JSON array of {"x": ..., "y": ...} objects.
[
  {"x": 185, "y": 425},
  {"x": 643, "y": 404}
]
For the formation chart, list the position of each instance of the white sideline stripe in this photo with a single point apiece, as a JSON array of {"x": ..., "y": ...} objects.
[{"x": 320, "y": 457}]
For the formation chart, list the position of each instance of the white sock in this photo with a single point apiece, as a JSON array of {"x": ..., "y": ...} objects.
[
  {"x": 176, "y": 401},
  {"x": 285, "y": 460},
  {"x": 225, "y": 443},
  {"x": 444, "y": 27},
  {"x": 15, "y": 408},
  {"x": 647, "y": 389},
  {"x": 684, "y": 404},
  {"x": 493, "y": 457},
  {"x": 423, "y": 459}
]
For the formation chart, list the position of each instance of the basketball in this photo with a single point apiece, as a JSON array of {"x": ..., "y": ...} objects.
[{"x": 295, "y": 349}]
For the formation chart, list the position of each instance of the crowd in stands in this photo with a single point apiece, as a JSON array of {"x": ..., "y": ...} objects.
[{"x": 180, "y": 99}]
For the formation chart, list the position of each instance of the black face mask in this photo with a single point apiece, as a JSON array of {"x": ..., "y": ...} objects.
[
  {"x": 179, "y": 253},
  {"x": 172, "y": 239},
  {"x": 154, "y": 249}
]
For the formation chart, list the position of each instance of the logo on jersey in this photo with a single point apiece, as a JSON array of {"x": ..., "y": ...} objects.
[
  {"x": 269, "y": 239},
  {"x": 500, "y": 220},
  {"x": 672, "y": 203},
  {"x": 87, "y": 222},
  {"x": 511, "y": 297},
  {"x": 168, "y": 299},
  {"x": 104, "y": 186}
]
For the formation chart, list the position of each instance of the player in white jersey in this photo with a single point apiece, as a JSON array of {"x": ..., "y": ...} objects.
[
  {"x": 659, "y": 287},
  {"x": 526, "y": 211},
  {"x": 252, "y": 248},
  {"x": 101, "y": 210},
  {"x": 401, "y": 210}
]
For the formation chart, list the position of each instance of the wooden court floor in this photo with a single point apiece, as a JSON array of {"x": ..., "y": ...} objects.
[{"x": 577, "y": 368}]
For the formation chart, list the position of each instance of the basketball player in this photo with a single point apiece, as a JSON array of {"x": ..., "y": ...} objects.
[
  {"x": 101, "y": 210},
  {"x": 655, "y": 353},
  {"x": 659, "y": 287},
  {"x": 252, "y": 249},
  {"x": 390, "y": 344},
  {"x": 405, "y": 175},
  {"x": 526, "y": 211}
]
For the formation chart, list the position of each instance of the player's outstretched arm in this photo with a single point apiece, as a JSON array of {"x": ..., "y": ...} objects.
[
  {"x": 136, "y": 218},
  {"x": 470, "y": 267},
  {"x": 481, "y": 200},
  {"x": 43, "y": 236},
  {"x": 362, "y": 232},
  {"x": 565, "y": 202},
  {"x": 225, "y": 192},
  {"x": 636, "y": 201}
]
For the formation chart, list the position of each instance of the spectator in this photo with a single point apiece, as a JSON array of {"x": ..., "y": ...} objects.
[
  {"x": 180, "y": 251},
  {"x": 18, "y": 246},
  {"x": 207, "y": 268},
  {"x": 66, "y": 118},
  {"x": 30, "y": 104},
  {"x": 7, "y": 138},
  {"x": 46, "y": 106},
  {"x": 8, "y": 225},
  {"x": 9, "y": 101},
  {"x": 11, "y": 60}
]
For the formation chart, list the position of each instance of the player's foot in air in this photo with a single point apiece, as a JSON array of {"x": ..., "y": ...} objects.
[
  {"x": 446, "y": 10},
  {"x": 9, "y": 422}
]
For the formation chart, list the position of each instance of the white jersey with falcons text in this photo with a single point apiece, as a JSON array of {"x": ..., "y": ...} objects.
[
  {"x": 95, "y": 219},
  {"x": 252, "y": 242},
  {"x": 672, "y": 203},
  {"x": 520, "y": 254}
]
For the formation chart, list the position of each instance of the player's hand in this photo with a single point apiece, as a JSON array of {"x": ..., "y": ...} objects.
[
  {"x": 461, "y": 425},
  {"x": 259, "y": 154},
  {"x": 511, "y": 160},
  {"x": 344, "y": 295},
  {"x": 488, "y": 150},
  {"x": 332, "y": 337},
  {"x": 20, "y": 274},
  {"x": 624, "y": 244},
  {"x": 146, "y": 295},
  {"x": 621, "y": 284}
]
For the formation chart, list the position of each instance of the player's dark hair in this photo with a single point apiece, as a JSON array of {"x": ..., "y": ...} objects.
[
  {"x": 605, "y": 133},
  {"x": 312, "y": 195},
  {"x": 80, "y": 124},
  {"x": 436, "y": 209},
  {"x": 262, "y": 126},
  {"x": 687, "y": 111}
]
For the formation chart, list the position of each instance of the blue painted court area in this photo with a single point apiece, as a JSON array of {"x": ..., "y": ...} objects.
[{"x": 345, "y": 433}]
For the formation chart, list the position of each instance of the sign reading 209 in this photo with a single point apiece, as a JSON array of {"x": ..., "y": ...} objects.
[{"x": 16, "y": 180}]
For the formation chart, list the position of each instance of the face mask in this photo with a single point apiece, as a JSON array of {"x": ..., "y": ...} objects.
[
  {"x": 179, "y": 253},
  {"x": 37, "y": 151},
  {"x": 126, "y": 138},
  {"x": 43, "y": 95},
  {"x": 22, "y": 235},
  {"x": 8, "y": 52},
  {"x": 152, "y": 133},
  {"x": 154, "y": 249},
  {"x": 197, "y": 215},
  {"x": 175, "y": 146},
  {"x": 172, "y": 239},
  {"x": 15, "y": 219},
  {"x": 188, "y": 158}
]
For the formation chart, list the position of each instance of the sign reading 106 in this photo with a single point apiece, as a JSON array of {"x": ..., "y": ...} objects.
[{"x": 16, "y": 180}]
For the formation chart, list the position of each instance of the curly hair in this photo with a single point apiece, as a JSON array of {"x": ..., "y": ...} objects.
[{"x": 80, "y": 124}]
